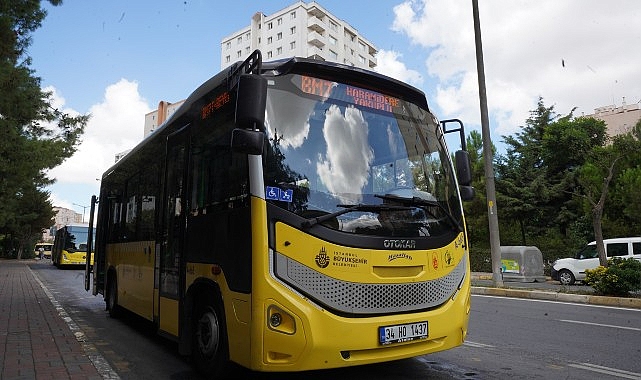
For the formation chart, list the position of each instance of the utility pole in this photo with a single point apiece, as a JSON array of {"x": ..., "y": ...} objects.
[
  {"x": 83, "y": 210},
  {"x": 492, "y": 211}
]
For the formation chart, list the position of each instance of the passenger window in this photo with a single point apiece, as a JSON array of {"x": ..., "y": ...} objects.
[
  {"x": 617, "y": 249},
  {"x": 636, "y": 248}
]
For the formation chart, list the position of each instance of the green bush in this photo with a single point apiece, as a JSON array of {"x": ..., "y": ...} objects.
[{"x": 621, "y": 277}]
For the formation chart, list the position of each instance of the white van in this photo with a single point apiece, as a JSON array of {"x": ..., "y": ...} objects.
[{"x": 569, "y": 270}]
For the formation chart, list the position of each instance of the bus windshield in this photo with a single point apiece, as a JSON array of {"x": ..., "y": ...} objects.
[
  {"x": 76, "y": 239},
  {"x": 375, "y": 164}
]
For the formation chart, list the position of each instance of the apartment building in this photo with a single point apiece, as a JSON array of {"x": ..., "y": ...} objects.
[
  {"x": 301, "y": 30},
  {"x": 618, "y": 119}
]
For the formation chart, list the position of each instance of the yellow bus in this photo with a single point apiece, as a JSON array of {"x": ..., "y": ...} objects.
[
  {"x": 70, "y": 246},
  {"x": 290, "y": 216},
  {"x": 42, "y": 250}
]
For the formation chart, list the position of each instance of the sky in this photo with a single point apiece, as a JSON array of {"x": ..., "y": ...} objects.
[{"x": 117, "y": 59}]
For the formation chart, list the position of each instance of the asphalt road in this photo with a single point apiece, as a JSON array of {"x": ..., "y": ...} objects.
[{"x": 508, "y": 339}]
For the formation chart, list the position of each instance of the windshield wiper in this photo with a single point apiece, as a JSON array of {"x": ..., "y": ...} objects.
[
  {"x": 349, "y": 208},
  {"x": 416, "y": 201}
]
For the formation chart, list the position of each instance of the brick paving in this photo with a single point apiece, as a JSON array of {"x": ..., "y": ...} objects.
[{"x": 35, "y": 341}]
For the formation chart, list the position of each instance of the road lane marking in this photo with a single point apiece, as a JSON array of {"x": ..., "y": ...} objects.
[
  {"x": 477, "y": 345},
  {"x": 606, "y": 370},
  {"x": 600, "y": 324},
  {"x": 99, "y": 362}
]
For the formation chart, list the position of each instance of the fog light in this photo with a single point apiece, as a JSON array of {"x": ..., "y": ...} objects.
[
  {"x": 280, "y": 320},
  {"x": 275, "y": 319}
]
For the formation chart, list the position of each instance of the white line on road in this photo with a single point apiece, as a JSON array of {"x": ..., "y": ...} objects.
[
  {"x": 477, "y": 345},
  {"x": 606, "y": 370},
  {"x": 601, "y": 325}
]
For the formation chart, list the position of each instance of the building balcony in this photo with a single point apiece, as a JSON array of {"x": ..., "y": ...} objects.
[
  {"x": 315, "y": 24},
  {"x": 316, "y": 39},
  {"x": 315, "y": 53}
]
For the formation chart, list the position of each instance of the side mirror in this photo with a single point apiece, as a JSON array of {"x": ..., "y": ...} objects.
[
  {"x": 463, "y": 168},
  {"x": 250, "y": 101},
  {"x": 467, "y": 193},
  {"x": 247, "y": 141}
]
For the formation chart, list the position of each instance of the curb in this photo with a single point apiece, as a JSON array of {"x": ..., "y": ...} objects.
[{"x": 634, "y": 303}]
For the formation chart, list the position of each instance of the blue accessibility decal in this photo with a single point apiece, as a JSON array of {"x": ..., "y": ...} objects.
[{"x": 274, "y": 193}]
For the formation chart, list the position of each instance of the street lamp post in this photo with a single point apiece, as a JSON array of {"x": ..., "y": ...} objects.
[
  {"x": 83, "y": 210},
  {"x": 493, "y": 221}
]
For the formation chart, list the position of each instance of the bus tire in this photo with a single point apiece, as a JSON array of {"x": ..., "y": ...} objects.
[
  {"x": 209, "y": 351},
  {"x": 112, "y": 298}
]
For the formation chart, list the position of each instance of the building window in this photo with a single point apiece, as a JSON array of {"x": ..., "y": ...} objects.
[
  {"x": 269, "y": 40},
  {"x": 280, "y": 21},
  {"x": 239, "y": 54},
  {"x": 247, "y": 50},
  {"x": 361, "y": 46},
  {"x": 279, "y": 36},
  {"x": 361, "y": 59},
  {"x": 269, "y": 54},
  {"x": 292, "y": 30},
  {"x": 332, "y": 40},
  {"x": 227, "y": 59},
  {"x": 292, "y": 45},
  {"x": 239, "y": 40},
  {"x": 292, "y": 15},
  {"x": 333, "y": 55},
  {"x": 247, "y": 36},
  {"x": 270, "y": 26},
  {"x": 279, "y": 51},
  {"x": 228, "y": 45}
]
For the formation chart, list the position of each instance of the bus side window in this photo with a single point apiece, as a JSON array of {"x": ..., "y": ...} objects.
[{"x": 131, "y": 210}]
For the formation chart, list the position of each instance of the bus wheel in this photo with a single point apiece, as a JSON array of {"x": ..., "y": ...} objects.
[
  {"x": 112, "y": 298},
  {"x": 209, "y": 341}
]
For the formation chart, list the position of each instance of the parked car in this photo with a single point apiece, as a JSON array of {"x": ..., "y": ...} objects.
[{"x": 569, "y": 270}]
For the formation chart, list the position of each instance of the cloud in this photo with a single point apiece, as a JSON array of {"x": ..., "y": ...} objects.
[
  {"x": 389, "y": 63},
  {"x": 345, "y": 168},
  {"x": 572, "y": 53},
  {"x": 116, "y": 124}
]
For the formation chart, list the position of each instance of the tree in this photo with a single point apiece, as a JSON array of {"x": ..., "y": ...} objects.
[
  {"x": 34, "y": 136},
  {"x": 523, "y": 187},
  {"x": 617, "y": 163}
]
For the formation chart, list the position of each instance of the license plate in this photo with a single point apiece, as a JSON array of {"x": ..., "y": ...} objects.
[{"x": 402, "y": 333}]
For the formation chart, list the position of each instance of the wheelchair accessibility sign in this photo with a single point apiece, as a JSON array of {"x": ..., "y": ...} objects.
[{"x": 274, "y": 193}]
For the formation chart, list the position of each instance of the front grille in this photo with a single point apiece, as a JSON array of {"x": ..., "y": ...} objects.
[{"x": 367, "y": 299}]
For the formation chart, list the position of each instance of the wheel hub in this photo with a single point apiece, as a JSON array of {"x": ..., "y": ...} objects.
[{"x": 208, "y": 334}]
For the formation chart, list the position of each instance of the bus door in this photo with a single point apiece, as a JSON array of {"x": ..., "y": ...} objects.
[{"x": 172, "y": 273}]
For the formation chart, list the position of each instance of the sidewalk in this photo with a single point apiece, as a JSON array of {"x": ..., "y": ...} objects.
[
  {"x": 35, "y": 341},
  {"x": 559, "y": 296}
]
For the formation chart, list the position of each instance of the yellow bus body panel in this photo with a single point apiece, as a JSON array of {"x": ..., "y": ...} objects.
[
  {"x": 134, "y": 264},
  {"x": 311, "y": 337},
  {"x": 74, "y": 258},
  {"x": 169, "y": 316}
]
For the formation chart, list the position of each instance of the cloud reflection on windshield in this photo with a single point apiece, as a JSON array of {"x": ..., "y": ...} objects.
[{"x": 345, "y": 167}]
